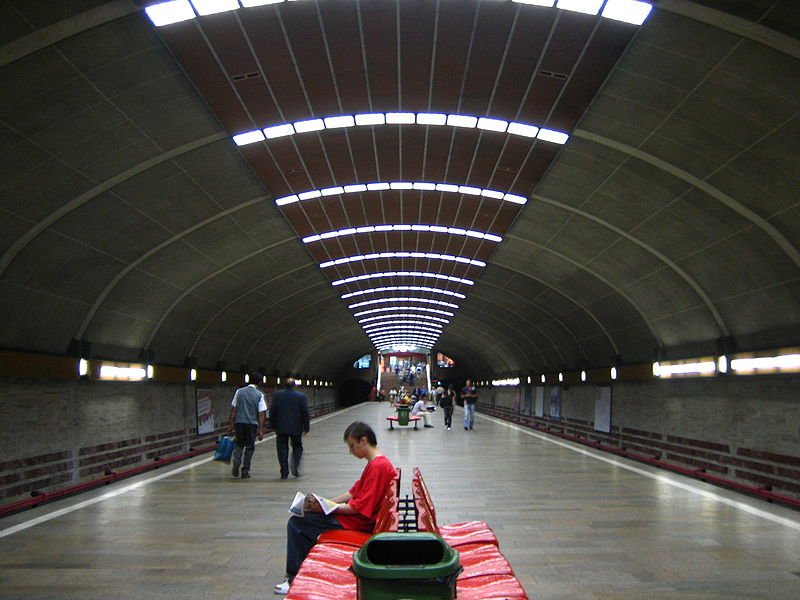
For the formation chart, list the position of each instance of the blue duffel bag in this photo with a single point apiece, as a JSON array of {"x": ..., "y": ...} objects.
[{"x": 224, "y": 449}]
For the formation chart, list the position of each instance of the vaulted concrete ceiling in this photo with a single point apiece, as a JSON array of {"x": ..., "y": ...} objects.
[{"x": 667, "y": 222}]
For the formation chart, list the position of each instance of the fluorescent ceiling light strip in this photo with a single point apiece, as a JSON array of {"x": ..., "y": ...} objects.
[
  {"x": 400, "y": 338},
  {"x": 248, "y": 137},
  {"x": 408, "y": 324},
  {"x": 402, "y": 227},
  {"x": 167, "y": 13},
  {"x": 374, "y": 119},
  {"x": 403, "y": 274},
  {"x": 392, "y": 315},
  {"x": 415, "y": 326},
  {"x": 419, "y": 300},
  {"x": 405, "y": 185},
  {"x": 785, "y": 361},
  {"x": 278, "y": 131},
  {"x": 435, "y": 311},
  {"x": 627, "y": 11},
  {"x": 403, "y": 288},
  {"x": 175, "y": 11},
  {"x": 426, "y": 255}
]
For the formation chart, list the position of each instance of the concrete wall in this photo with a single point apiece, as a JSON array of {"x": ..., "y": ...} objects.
[
  {"x": 57, "y": 433},
  {"x": 744, "y": 428}
]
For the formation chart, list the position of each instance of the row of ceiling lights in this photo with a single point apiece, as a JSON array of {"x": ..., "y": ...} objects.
[
  {"x": 175, "y": 11},
  {"x": 375, "y": 119},
  {"x": 390, "y": 330}
]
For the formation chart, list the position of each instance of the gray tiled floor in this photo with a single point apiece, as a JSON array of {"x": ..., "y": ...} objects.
[{"x": 573, "y": 525}]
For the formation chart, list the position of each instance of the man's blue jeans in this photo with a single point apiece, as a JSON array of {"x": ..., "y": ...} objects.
[
  {"x": 469, "y": 415},
  {"x": 301, "y": 535}
]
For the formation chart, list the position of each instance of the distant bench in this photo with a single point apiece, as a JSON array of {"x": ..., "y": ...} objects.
[{"x": 411, "y": 418}]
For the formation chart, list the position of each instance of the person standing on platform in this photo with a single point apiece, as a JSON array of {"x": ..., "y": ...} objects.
[
  {"x": 447, "y": 400},
  {"x": 470, "y": 395},
  {"x": 356, "y": 509},
  {"x": 246, "y": 421},
  {"x": 290, "y": 420}
]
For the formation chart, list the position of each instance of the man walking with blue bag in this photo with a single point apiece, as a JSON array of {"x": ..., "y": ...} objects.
[{"x": 247, "y": 418}]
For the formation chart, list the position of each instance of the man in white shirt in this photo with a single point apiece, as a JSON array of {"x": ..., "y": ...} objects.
[
  {"x": 419, "y": 410},
  {"x": 247, "y": 418}
]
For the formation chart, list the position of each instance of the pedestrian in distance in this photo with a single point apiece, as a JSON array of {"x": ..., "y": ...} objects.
[
  {"x": 246, "y": 422},
  {"x": 291, "y": 421},
  {"x": 446, "y": 401},
  {"x": 469, "y": 393}
]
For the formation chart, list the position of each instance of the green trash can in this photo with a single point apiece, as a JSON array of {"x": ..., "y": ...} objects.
[
  {"x": 403, "y": 566},
  {"x": 402, "y": 414}
]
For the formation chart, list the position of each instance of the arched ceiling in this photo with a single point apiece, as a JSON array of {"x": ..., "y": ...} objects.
[{"x": 629, "y": 190}]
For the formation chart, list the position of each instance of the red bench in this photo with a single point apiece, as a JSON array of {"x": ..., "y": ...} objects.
[
  {"x": 486, "y": 573},
  {"x": 411, "y": 419}
]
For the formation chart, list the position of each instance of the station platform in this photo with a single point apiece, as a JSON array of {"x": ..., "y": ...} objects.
[{"x": 573, "y": 522}]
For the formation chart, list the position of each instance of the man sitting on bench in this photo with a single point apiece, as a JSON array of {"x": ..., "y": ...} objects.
[
  {"x": 357, "y": 508},
  {"x": 419, "y": 410}
]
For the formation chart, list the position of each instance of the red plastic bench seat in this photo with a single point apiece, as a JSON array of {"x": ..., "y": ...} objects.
[{"x": 411, "y": 419}]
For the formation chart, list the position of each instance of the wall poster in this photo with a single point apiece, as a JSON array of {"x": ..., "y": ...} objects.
[
  {"x": 602, "y": 409},
  {"x": 205, "y": 412},
  {"x": 539, "y": 401}
]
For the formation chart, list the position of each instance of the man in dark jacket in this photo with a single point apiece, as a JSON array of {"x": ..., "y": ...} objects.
[{"x": 290, "y": 420}]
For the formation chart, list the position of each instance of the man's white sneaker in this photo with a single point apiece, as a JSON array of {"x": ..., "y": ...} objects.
[{"x": 282, "y": 588}]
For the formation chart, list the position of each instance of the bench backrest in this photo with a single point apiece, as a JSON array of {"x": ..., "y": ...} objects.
[
  {"x": 388, "y": 518},
  {"x": 426, "y": 513}
]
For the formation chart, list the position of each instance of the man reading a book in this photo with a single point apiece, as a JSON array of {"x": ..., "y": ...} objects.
[{"x": 356, "y": 509}]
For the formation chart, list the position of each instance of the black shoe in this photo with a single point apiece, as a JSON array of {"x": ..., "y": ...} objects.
[
  {"x": 295, "y": 472},
  {"x": 465, "y": 428},
  {"x": 245, "y": 474},
  {"x": 235, "y": 468},
  {"x": 284, "y": 477},
  {"x": 470, "y": 428},
  {"x": 428, "y": 425}
]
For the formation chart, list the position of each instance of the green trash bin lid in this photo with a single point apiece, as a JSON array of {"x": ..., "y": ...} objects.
[{"x": 413, "y": 555}]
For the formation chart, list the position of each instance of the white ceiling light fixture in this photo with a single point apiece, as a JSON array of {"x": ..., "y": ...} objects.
[
  {"x": 211, "y": 7},
  {"x": 522, "y": 129},
  {"x": 556, "y": 137},
  {"x": 382, "y": 255},
  {"x": 278, "y": 131},
  {"x": 431, "y": 119},
  {"x": 403, "y": 274},
  {"x": 627, "y": 11},
  {"x": 309, "y": 125},
  {"x": 403, "y": 227},
  {"x": 400, "y": 118},
  {"x": 391, "y": 315},
  {"x": 588, "y": 7},
  {"x": 406, "y": 185},
  {"x": 405, "y": 299},
  {"x": 548, "y": 3},
  {"x": 339, "y": 122},
  {"x": 403, "y": 288},
  {"x": 248, "y": 137},
  {"x": 370, "y": 119},
  {"x": 488, "y": 124},
  {"x": 167, "y": 13},
  {"x": 435, "y": 311},
  {"x": 462, "y": 121}
]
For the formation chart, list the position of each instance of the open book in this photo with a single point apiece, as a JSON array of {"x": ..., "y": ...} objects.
[{"x": 301, "y": 500}]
